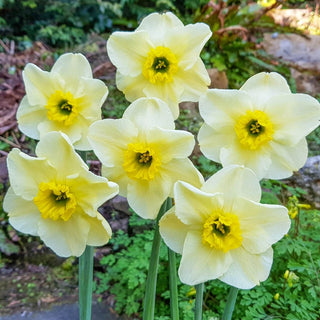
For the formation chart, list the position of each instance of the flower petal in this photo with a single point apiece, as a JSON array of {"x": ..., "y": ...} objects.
[
  {"x": 149, "y": 112},
  {"x": 248, "y": 270},
  {"x": 158, "y": 26},
  {"x": 71, "y": 67},
  {"x": 259, "y": 161},
  {"x": 300, "y": 114},
  {"x": 221, "y": 107},
  {"x": 118, "y": 175},
  {"x": 264, "y": 85},
  {"x": 187, "y": 42},
  {"x": 39, "y": 84},
  {"x": 57, "y": 148},
  {"x": 23, "y": 214},
  {"x": 173, "y": 231},
  {"x": 199, "y": 263},
  {"x": 65, "y": 238},
  {"x": 171, "y": 143},
  {"x": 26, "y": 173},
  {"x": 100, "y": 231},
  {"x": 234, "y": 182},
  {"x": 29, "y": 117},
  {"x": 109, "y": 138},
  {"x": 155, "y": 191},
  {"x": 285, "y": 160},
  {"x": 192, "y": 205},
  {"x": 183, "y": 170},
  {"x": 211, "y": 141},
  {"x": 261, "y": 224},
  {"x": 128, "y": 51},
  {"x": 195, "y": 81},
  {"x": 90, "y": 198}
]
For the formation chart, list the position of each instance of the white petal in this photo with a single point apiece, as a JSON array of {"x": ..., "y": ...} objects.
[
  {"x": 91, "y": 191},
  {"x": 109, "y": 138},
  {"x": 259, "y": 161},
  {"x": 118, "y": 175},
  {"x": 26, "y": 173},
  {"x": 173, "y": 231},
  {"x": 221, "y": 107},
  {"x": 211, "y": 141},
  {"x": 23, "y": 214},
  {"x": 187, "y": 42},
  {"x": 261, "y": 225},
  {"x": 234, "y": 181},
  {"x": 71, "y": 67},
  {"x": 146, "y": 113},
  {"x": 192, "y": 205},
  {"x": 195, "y": 81},
  {"x": 264, "y": 85},
  {"x": 159, "y": 25},
  {"x": 29, "y": 117},
  {"x": 128, "y": 51},
  {"x": 248, "y": 270},
  {"x": 200, "y": 263},
  {"x": 100, "y": 231},
  {"x": 131, "y": 86},
  {"x": 294, "y": 116},
  {"x": 285, "y": 159},
  {"x": 58, "y": 150},
  {"x": 39, "y": 84},
  {"x": 183, "y": 170},
  {"x": 146, "y": 198},
  {"x": 171, "y": 144},
  {"x": 65, "y": 238}
]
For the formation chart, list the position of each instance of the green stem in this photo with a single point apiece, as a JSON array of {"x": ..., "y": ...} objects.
[
  {"x": 85, "y": 274},
  {"x": 231, "y": 301},
  {"x": 199, "y": 301},
  {"x": 85, "y": 283},
  {"x": 151, "y": 283},
  {"x": 174, "y": 306}
]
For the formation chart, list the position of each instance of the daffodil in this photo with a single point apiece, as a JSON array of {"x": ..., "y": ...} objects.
[
  {"x": 55, "y": 197},
  {"x": 222, "y": 231},
  {"x": 67, "y": 99},
  {"x": 262, "y": 126},
  {"x": 144, "y": 154},
  {"x": 161, "y": 59}
]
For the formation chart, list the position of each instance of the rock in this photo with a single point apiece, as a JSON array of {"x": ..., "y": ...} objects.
[
  {"x": 218, "y": 78},
  {"x": 120, "y": 203},
  {"x": 308, "y": 178}
]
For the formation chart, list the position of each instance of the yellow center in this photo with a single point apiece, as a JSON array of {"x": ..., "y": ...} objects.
[
  {"x": 55, "y": 201},
  {"x": 141, "y": 162},
  {"x": 222, "y": 231},
  {"x": 160, "y": 66},
  {"x": 254, "y": 129},
  {"x": 62, "y": 107}
]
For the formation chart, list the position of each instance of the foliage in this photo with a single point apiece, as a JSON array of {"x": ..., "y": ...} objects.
[
  {"x": 126, "y": 269},
  {"x": 237, "y": 29},
  {"x": 62, "y": 23}
]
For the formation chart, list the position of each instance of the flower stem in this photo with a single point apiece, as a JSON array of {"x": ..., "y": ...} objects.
[
  {"x": 151, "y": 283},
  {"x": 199, "y": 301},
  {"x": 174, "y": 306},
  {"x": 231, "y": 301},
  {"x": 85, "y": 283},
  {"x": 85, "y": 274}
]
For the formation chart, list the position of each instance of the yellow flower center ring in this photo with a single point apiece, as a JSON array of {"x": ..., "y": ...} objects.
[
  {"x": 55, "y": 201},
  {"x": 141, "y": 162},
  {"x": 222, "y": 231},
  {"x": 62, "y": 107},
  {"x": 160, "y": 66},
  {"x": 254, "y": 129}
]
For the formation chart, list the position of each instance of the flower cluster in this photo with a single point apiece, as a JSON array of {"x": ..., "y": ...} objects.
[{"x": 218, "y": 226}]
